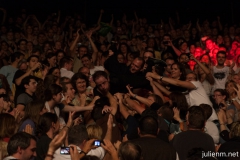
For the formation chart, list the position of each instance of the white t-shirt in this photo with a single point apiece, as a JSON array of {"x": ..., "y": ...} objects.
[
  {"x": 96, "y": 68},
  {"x": 65, "y": 73},
  {"x": 207, "y": 87},
  {"x": 220, "y": 77},
  {"x": 199, "y": 96},
  {"x": 212, "y": 130}
]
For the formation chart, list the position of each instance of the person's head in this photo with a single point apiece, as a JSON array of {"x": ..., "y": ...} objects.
[
  {"x": 221, "y": 57},
  {"x": 53, "y": 92},
  {"x": 6, "y": 103},
  {"x": 166, "y": 112},
  {"x": 178, "y": 100},
  {"x": 207, "y": 110},
  {"x": 68, "y": 90},
  {"x": 102, "y": 81},
  {"x": 32, "y": 61},
  {"x": 77, "y": 135},
  {"x": 60, "y": 54},
  {"x": 22, "y": 44},
  {"x": 166, "y": 37},
  {"x": 198, "y": 52},
  {"x": 34, "y": 110},
  {"x": 137, "y": 65},
  {"x": 22, "y": 65},
  {"x": 206, "y": 59},
  {"x": 209, "y": 44},
  {"x": 80, "y": 82},
  {"x": 183, "y": 46},
  {"x": 123, "y": 48},
  {"x": 235, "y": 130},
  {"x": 183, "y": 58},
  {"x": 236, "y": 78},
  {"x": 94, "y": 132},
  {"x": 82, "y": 50},
  {"x": 48, "y": 121},
  {"x": 7, "y": 125},
  {"x": 51, "y": 59},
  {"x": 148, "y": 54},
  {"x": 191, "y": 77},
  {"x": 67, "y": 63},
  {"x": 178, "y": 71},
  {"x": 169, "y": 62},
  {"x": 85, "y": 71},
  {"x": 55, "y": 71},
  {"x": 22, "y": 146},
  {"x": 120, "y": 58},
  {"x": 16, "y": 57},
  {"x": 196, "y": 118},
  {"x": 230, "y": 85},
  {"x": 155, "y": 98},
  {"x": 148, "y": 125},
  {"x": 29, "y": 83},
  {"x": 130, "y": 151},
  {"x": 219, "y": 95},
  {"x": 87, "y": 60}
]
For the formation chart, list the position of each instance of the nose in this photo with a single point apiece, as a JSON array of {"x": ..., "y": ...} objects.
[{"x": 34, "y": 154}]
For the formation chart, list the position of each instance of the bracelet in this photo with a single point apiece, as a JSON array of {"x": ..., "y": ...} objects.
[
  {"x": 134, "y": 96},
  {"x": 49, "y": 155},
  {"x": 83, "y": 152},
  {"x": 161, "y": 78},
  {"x": 67, "y": 127}
]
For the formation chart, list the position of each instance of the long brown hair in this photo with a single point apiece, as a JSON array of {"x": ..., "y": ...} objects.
[{"x": 7, "y": 125}]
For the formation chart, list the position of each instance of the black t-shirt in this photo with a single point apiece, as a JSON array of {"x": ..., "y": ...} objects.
[
  {"x": 42, "y": 147},
  {"x": 188, "y": 140},
  {"x": 19, "y": 88},
  {"x": 155, "y": 148}
]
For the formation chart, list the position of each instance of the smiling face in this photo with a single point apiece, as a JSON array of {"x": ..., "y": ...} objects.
[
  {"x": 175, "y": 71},
  {"x": 81, "y": 85}
]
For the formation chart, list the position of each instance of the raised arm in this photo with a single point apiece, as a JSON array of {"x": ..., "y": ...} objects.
[
  {"x": 143, "y": 100},
  {"x": 210, "y": 77},
  {"x": 219, "y": 23},
  {"x": 100, "y": 16},
  {"x": 162, "y": 88},
  {"x": 94, "y": 47},
  {"x": 136, "y": 17},
  {"x": 122, "y": 108},
  {"x": 155, "y": 89},
  {"x": 73, "y": 45},
  {"x": 177, "y": 51},
  {"x": 113, "y": 103}
]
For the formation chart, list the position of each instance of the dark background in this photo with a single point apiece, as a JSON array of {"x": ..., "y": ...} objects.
[{"x": 153, "y": 10}]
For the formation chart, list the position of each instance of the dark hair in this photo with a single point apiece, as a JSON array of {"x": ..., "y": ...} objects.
[
  {"x": 221, "y": 52},
  {"x": 196, "y": 117},
  {"x": 26, "y": 80},
  {"x": 166, "y": 112},
  {"x": 16, "y": 55},
  {"x": 32, "y": 56},
  {"x": 50, "y": 55},
  {"x": 167, "y": 35},
  {"x": 156, "y": 98},
  {"x": 182, "y": 70},
  {"x": 7, "y": 125},
  {"x": 82, "y": 46},
  {"x": 179, "y": 100},
  {"x": 98, "y": 74},
  {"x": 65, "y": 60},
  {"x": 77, "y": 76},
  {"x": 207, "y": 110},
  {"x": 45, "y": 122},
  {"x": 130, "y": 151},
  {"x": 87, "y": 56},
  {"x": 77, "y": 134},
  {"x": 52, "y": 70},
  {"x": 32, "y": 111},
  {"x": 141, "y": 59},
  {"x": 52, "y": 90},
  {"x": 5, "y": 97},
  {"x": 20, "y": 139},
  {"x": 97, "y": 110},
  {"x": 148, "y": 125},
  {"x": 21, "y": 40},
  {"x": 64, "y": 86}
]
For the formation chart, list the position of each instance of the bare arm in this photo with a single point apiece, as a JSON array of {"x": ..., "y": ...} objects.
[
  {"x": 122, "y": 107},
  {"x": 136, "y": 17},
  {"x": 210, "y": 77},
  {"x": 172, "y": 81},
  {"x": 72, "y": 47},
  {"x": 113, "y": 103},
  {"x": 156, "y": 90},
  {"x": 100, "y": 16},
  {"x": 198, "y": 26},
  {"x": 94, "y": 47},
  {"x": 162, "y": 88},
  {"x": 134, "y": 105},
  {"x": 177, "y": 51},
  {"x": 219, "y": 23}
]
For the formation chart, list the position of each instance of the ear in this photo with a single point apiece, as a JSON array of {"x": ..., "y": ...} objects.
[
  {"x": 26, "y": 86},
  {"x": 139, "y": 132},
  {"x": 19, "y": 150},
  {"x": 158, "y": 131}
]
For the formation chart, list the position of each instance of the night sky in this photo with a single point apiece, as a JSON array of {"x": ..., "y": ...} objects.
[{"x": 154, "y": 10}]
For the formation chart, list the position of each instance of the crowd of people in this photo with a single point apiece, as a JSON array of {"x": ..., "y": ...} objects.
[{"x": 146, "y": 92}]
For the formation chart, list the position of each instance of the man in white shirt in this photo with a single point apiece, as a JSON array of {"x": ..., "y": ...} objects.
[
  {"x": 66, "y": 64},
  {"x": 88, "y": 62}
]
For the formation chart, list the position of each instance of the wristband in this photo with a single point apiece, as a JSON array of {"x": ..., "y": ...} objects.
[
  {"x": 83, "y": 152},
  {"x": 134, "y": 96},
  {"x": 161, "y": 78}
]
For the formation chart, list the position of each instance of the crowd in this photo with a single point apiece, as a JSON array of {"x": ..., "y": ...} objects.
[{"x": 151, "y": 92}]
